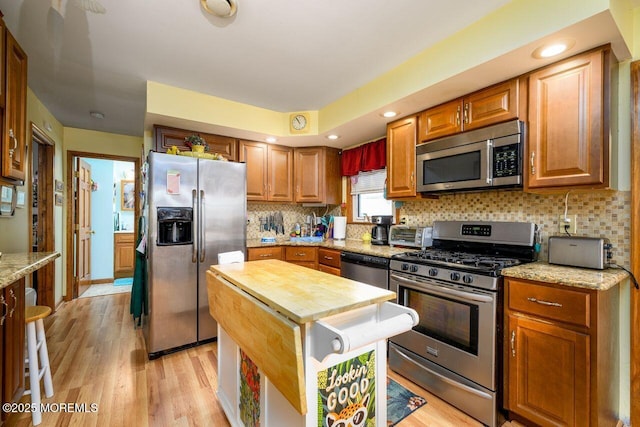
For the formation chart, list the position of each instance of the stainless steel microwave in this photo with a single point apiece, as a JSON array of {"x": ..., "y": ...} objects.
[{"x": 489, "y": 157}]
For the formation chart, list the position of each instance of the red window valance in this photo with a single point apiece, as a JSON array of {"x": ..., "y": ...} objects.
[{"x": 367, "y": 157}]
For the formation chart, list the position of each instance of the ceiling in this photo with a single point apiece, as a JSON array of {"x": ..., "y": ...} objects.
[{"x": 281, "y": 55}]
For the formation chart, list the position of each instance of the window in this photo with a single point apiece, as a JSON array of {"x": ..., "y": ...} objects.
[{"x": 367, "y": 195}]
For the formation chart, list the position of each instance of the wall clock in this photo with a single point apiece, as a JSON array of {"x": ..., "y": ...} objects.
[{"x": 299, "y": 123}]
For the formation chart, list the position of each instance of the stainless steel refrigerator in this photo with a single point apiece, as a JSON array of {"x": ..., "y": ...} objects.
[{"x": 196, "y": 209}]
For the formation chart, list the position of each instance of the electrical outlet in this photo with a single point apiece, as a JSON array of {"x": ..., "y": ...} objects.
[{"x": 572, "y": 223}]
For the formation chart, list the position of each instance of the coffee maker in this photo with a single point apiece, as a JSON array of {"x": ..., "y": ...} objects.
[{"x": 380, "y": 230}]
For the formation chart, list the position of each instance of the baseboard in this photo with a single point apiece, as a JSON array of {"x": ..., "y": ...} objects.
[{"x": 101, "y": 281}]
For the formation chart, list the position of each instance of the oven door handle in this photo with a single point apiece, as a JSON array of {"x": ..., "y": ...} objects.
[{"x": 442, "y": 290}]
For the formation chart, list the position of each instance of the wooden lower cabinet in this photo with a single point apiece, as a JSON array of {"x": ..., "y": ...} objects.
[
  {"x": 561, "y": 354},
  {"x": 124, "y": 255},
  {"x": 271, "y": 252},
  {"x": 302, "y": 255},
  {"x": 13, "y": 341},
  {"x": 329, "y": 261}
]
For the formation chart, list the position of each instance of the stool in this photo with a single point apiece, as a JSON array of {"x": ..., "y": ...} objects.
[{"x": 37, "y": 352}]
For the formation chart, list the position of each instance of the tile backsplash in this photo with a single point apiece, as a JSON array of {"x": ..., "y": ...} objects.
[{"x": 600, "y": 214}]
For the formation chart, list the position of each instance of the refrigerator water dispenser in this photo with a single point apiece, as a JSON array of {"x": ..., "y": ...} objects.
[{"x": 175, "y": 226}]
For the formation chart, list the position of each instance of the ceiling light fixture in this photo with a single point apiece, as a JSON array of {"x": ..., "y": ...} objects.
[
  {"x": 554, "y": 48},
  {"x": 96, "y": 115},
  {"x": 389, "y": 114},
  {"x": 333, "y": 137},
  {"x": 221, "y": 8}
]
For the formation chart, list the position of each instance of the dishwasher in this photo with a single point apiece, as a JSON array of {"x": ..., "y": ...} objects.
[{"x": 372, "y": 270}]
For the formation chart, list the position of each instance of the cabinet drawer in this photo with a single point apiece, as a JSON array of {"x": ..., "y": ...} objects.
[
  {"x": 330, "y": 270},
  {"x": 124, "y": 238},
  {"x": 329, "y": 257},
  {"x": 299, "y": 253},
  {"x": 272, "y": 252},
  {"x": 564, "y": 305}
]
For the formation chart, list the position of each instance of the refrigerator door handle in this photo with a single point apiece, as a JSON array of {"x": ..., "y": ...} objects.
[
  {"x": 201, "y": 240},
  {"x": 196, "y": 223}
]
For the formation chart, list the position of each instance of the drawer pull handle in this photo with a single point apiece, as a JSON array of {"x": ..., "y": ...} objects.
[
  {"x": 6, "y": 309},
  {"x": 266, "y": 255},
  {"x": 15, "y": 302},
  {"x": 539, "y": 301},
  {"x": 513, "y": 343},
  {"x": 301, "y": 254},
  {"x": 328, "y": 257}
]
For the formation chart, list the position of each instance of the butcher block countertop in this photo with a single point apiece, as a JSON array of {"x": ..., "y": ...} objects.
[
  {"x": 299, "y": 293},
  {"x": 15, "y": 266},
  {"x": 540, "y": 271}
]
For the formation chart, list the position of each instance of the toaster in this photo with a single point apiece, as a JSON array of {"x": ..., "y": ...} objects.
[
  {"x": 587, "y": 252},
  {"x": 410, "y": 236}
]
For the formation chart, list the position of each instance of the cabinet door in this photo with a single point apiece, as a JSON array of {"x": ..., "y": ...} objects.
[
  {"x": 492, "y": 105},
  {"x": 280, "y": 173},
  {"x": 443, "y": 120},
  {"x": 166, "y": 137},
  {"x": 568, "y": 131},
  {"x": 309, "y": 176},
  {"x": 401, "y": 158},
  {"x": 254, "y": 154},
  {"x": 124, "y": 257},
  {"x": 15, "y": 113},
  {"x": 13, "y": 348},
  {"x": 548, "y": 372}
]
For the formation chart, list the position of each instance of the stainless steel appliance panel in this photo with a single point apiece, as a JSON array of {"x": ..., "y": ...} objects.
[
  {"x": 222, "y": 215},
  {"x": 172, "y": 319},
  {"x": 367, "y": 269},
  {"x": 477, "y": 401},
  {"x": 471, "y": 355}
]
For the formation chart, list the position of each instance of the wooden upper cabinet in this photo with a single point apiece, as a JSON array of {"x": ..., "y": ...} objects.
[
  {"x": 401, "y": 158},
  {"x": 317, "y": 175},
  {"x": 166, "y": 137},
  {"x": 495, "y": 104},
  {"x": 15, "y": 112},
  {"x": 443, "y": 120},
  {"x": 269, "y": 171},
  {"x": 569, "y": 124}
]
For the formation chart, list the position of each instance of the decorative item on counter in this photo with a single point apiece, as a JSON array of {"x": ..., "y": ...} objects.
[
  {"x": 173, "y": 150},
  {"x": 366, "y": 237},
  {"x": 196, "y": 143}
]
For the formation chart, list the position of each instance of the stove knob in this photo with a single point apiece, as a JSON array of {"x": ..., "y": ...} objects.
[
  {"x": 405, "y": 267},
  {"x": 467, "y": 278},
  {"x": 433, "y": 272},
  {"x": 413, "y": 269},
  {"x": 455, "y": 276}
]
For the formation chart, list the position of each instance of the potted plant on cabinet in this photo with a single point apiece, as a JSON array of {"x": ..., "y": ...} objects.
[{"x": 196, "y": 143}]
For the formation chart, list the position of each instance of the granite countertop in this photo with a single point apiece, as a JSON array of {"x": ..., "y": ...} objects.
[
  {"x": 349, "y": 245},
  {"x": 299, "y": 293},
  {"x": 15, "y": 266},
  {"x": 541, "y": 271}
]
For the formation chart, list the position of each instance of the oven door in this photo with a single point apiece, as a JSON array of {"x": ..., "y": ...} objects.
[
  {"x": 457, "y": 327},
  {"x": 460, "y": 167}
]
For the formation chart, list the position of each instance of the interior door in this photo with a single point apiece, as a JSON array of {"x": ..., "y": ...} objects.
[{"x": 83, "y": 226}]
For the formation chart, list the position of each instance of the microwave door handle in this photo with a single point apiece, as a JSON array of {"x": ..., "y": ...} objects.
[
  {"x": 442, "y": 290},
  {"x": 489, "y": 162}
]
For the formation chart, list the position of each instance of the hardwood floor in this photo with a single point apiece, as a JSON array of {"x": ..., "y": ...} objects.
[{"x": 97, "y": 357}]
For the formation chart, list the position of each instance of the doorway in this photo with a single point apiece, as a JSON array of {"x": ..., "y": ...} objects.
[
  {"x": 95, "y": 183},
  {"x": 42, "y": 236}
]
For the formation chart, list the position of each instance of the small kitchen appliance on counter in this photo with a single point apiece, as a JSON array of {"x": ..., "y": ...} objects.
[
  {"x": 456, "y": 289},
  {"x": 587, "y": 252},
  {"x": 380, "y": 231},
  {"x": 410, "y": 236}
]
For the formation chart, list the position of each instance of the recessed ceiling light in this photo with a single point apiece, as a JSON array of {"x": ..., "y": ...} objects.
[
  {"x": 270, "y": 139},
  {"x": 96, "y": 115},
  {"x": 333, "y": 137},
  {"x": 389, "y": 114},
  {"x": 553, "y": 48},
  {"x": 221, "y": 8}
]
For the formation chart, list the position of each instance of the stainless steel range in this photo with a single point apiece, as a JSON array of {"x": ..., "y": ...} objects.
[{"x": 456, "y": 288}]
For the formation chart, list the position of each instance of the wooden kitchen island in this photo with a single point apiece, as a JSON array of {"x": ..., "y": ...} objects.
[{"x": 300, "y": 347}]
